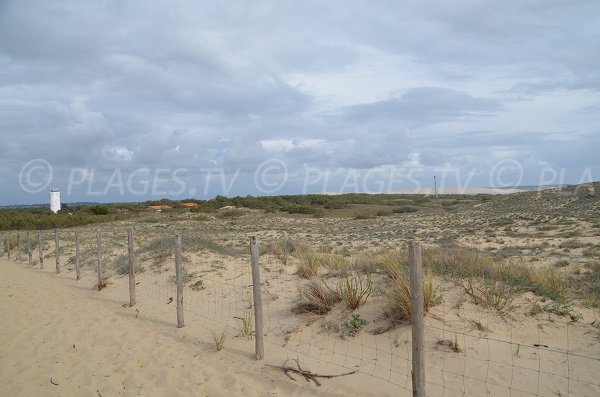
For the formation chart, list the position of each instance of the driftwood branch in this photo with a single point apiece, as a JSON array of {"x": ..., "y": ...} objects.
[{"x": 308, "y": 375}]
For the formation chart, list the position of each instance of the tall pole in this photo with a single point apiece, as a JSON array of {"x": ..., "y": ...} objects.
[{"x": 435, "y": 185}]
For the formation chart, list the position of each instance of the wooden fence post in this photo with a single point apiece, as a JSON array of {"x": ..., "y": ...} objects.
[
  {"x": 99, "y": 259},
  {"x": 179, "y": 280},
  {"x": 131, "y": 267},
  {"x": 57, "y": 251},
  {"x": 40, "y": 249},
  {"x": 257, "y": 294},
  {"x": 8, "y": 245},
  {"x": 18, "y": 255},
  {"x": 417, "y": 313},
  {"x": 77, "y": 268},
  {"x": 29, "y": 249}
]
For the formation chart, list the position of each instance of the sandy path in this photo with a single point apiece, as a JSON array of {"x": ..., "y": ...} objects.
[{"x": 54, "y": 327}]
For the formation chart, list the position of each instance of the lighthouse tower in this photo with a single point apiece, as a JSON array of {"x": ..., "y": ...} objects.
[{"x": 54, "y": 200}]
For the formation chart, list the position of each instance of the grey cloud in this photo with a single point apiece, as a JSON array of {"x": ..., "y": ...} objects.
[
  {"x": 425, "y": 105},
  {"x": 196, "y": 85}
]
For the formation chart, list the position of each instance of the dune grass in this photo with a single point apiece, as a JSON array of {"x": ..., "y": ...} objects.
[
  {"x": 246, "y": 324},
  {"x": 354, "y": 291},
  {"x": 397, "y": 294},
  {"x": 467, "y": 263},
  {"x": 490, "y": 295},
  {"x": 308, "y": 263},
  {"x": 219, "y": 338},
  {"x": 317, "y": 297}
]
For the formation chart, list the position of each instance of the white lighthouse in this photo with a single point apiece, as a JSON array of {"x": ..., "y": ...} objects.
[{"x": 54, "y": 200}]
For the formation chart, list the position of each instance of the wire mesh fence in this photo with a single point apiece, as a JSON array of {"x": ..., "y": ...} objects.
[{"x": 470, "y": 349}]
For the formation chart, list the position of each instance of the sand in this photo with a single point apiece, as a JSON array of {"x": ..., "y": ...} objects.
[
  {"x": 90, "y": 343},
  {"x": 58, "y": 330}
]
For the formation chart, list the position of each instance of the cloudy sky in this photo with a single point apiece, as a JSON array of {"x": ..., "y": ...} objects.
[{"x": 132, "y": 100}]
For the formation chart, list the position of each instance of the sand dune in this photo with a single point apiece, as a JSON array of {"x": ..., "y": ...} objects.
[
  {"x": 90, "y": 343},
  {"x": 55, "y": 329}
]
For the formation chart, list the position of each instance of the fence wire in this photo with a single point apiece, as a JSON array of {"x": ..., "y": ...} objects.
[{"x": 470, "y": 350}]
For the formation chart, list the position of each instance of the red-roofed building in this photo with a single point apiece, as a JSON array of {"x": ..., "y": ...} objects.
[
  {"x": 189, "y": 205},
  {"x": 160, "y": 207}
]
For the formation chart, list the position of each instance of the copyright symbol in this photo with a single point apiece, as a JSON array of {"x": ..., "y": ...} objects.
[
  {"x": 270, "y": 176},
  {"x": 507, "y": 173},
  {"x": 35, "y": 175}
]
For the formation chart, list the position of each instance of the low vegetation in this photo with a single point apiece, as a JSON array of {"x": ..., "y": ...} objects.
[
  {"x": 493, "y": 250},
  {"x": 219, "y": 338},
  {"x": 246, "y": 324},
  {"x": 397, "y": 293},
  {"x": 43, "y": 218},
  {"x": 490, "y": 295},
  {"x": 354, "y": 291},
  {"x": 317, "y": 297},
  {"x": 352, "y": 326}
]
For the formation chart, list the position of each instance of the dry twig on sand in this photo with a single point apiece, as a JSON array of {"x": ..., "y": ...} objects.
[{"x": 308, "y": 376}]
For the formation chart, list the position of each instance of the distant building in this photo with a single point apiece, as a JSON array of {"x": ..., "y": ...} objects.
[
  {"x": 54, "y": 200},
  {"x": 189, "y": 205},
  {"x": 159, "y": 208}
]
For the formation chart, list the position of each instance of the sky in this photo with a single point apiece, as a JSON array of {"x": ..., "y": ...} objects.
[{"x": 137, "y": 100}]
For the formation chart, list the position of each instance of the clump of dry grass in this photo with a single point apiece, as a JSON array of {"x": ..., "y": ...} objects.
[
  {"x": 309, "y": 263},
  {"x": 219, "y": 338},
  {"x": 335, "y": 263},
  {"x": 317, "y": 297},
  {"x": 490, "y": 294},
  {"x": 398, "y": 298},
  {"x": 364, "y": 263},
  {"x": 398, "y": 294},
  {"x": 282, "y": 249},
  {"x": 460, "y": 262},
  {"x": 246, "y": 324},
  {"x": 449, "y": 345},
  {"x": 430, "y": 298},
  {"x": 551, "y": 283},
  {"x": 467, "y": 263},
  {"x": 354, "y": 291}
]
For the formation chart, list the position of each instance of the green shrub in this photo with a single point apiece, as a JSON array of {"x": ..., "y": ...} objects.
[
  {"x": 354, "y": 324},
  {"x": 198, "y": 285},
  {"x": 299, "y": 209},
  {"x": 563, "y": 308},
  {"x": 571, "y": 244},
  {"x": 231, "y": 213},
  {"x": 383, "y": 212},
  {"x": 405, "y": 209},
  {"x": 561, "y": 263}
]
